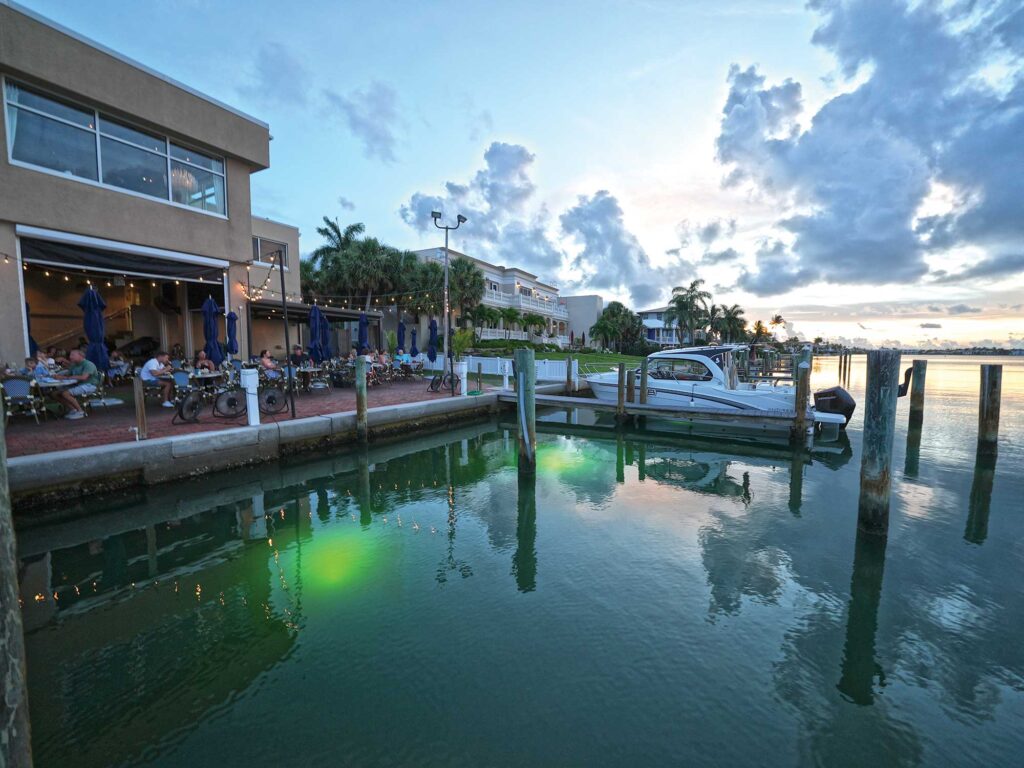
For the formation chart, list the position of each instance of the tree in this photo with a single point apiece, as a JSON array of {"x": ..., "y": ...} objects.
[
  {"x": 465, "y": 285},
  {"x": 603, "y": 329},
  {"x": 686, "y": 308},
  {"x": 776, "y": 321},
  {"x": 760, "y": 332},
  {"x": 532, "y": 320},
  {"x": 429, "y": 288},
  {"x": 364, "y": 269},
  {"x": 733, "y": 323},
  {"x": 619, "y": 324},
  {"x": 511, "y": 316},
  {"x": 714, "y": 322}
]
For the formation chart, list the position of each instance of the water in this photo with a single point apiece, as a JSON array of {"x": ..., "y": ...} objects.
[{"x": 652, "y": 600}]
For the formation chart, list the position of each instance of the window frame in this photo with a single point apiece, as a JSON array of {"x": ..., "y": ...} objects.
[
  {"x": 256, "y": 260},
  {"x": 98, "y": 135}
]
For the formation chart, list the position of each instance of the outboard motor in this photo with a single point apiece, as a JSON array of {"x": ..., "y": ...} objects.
[{"x": 835, "y": 400}]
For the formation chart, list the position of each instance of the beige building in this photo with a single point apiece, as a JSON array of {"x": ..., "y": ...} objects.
[{"x": 118, "y": 177}]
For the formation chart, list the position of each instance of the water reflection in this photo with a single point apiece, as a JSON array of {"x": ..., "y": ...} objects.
[
  {"x": 860, "y": 668},
  {"x": 524, "y": 561},
  {"x": 980, "y": 499},
  {"x": 912, "y": 462}
]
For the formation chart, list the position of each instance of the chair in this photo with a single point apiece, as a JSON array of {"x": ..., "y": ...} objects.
[
  {"x": 21, "y": 395},
  {"x": 182, "y": 383}
]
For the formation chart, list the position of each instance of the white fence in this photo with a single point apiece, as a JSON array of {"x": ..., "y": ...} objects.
[{"x": 547, "y": 370}]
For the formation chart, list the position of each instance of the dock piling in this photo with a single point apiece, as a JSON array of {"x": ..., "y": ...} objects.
[
  {"x": 140, "y": 407},
  {"x": 883, "y": 373},
  {"x": 361, "y": 429},
  {"x": 526, "y": 406},
  {"x": 620, "y": 408},
  {"x": 802, "y": 401},
  {"x": 917, "y": 392},
  {"x": 630, "y": 386},
  {"x": 479, "y": 377},
  {"x": 568, "y": 374},
  {"x": 989, "y": 399},
  {"x": 643, "y": 382}
]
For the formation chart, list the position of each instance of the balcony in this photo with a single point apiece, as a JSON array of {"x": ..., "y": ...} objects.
[{"x": 526, "y": 304}]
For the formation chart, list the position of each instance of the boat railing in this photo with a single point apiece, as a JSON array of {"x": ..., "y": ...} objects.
[{"x": 595, "y": 369}]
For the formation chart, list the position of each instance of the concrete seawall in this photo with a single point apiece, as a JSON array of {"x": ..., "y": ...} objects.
[{"x": 61, "y": 477}]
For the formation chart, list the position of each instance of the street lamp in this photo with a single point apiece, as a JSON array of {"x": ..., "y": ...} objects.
[{"x": 450, "y": 364}]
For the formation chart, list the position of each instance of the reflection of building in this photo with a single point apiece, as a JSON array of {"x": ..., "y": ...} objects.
[{"x": 118, "y": 177}]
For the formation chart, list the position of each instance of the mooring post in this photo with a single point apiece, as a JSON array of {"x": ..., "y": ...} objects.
[
  {"x": 361, "y": 430},
  {"x": 620, "y": 406},
  {"x": 883, "y": 373},
  {"x": 630, "y": 387},
  {"x": 917, "y": 392},
  {"x": 526, "y": 409},
  {"x": 801, "y": 402},
  {"x": 479, "y": 377},
  {"x": 643, "y": 382},
  {"x": 988, "y": 408},
  {"x": 568, "y": 374},
  {"x": 140, "y": 407},
  {"x": 15, "y": 744}
]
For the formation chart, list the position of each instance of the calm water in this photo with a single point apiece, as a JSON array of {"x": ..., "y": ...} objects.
[{"x": 648, "y": 600}]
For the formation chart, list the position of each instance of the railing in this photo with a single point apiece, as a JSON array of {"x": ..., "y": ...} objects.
[
  {"x": 547, "y": 370},
  {"x": 487, "y": 334},
  {"x": 53, "y": 340},
  {"x": 528, "y": 303}
]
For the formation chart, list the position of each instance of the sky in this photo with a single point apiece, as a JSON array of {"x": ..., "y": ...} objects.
[{"x": 857, "y": 166}]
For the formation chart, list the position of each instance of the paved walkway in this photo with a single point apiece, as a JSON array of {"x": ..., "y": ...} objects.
[{"x": 114, "y": 424}]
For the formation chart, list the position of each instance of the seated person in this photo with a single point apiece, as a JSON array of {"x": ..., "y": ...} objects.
[
  {"x": 403, "y": 357},
  {"x": 383, "y": 359},
  {"x": 29, "y": 368},
  {"x": 156, "y": 366},
  {"x": 299, "y": 358},
  {"x": 367, "y": 355},
  {"x": 203, "y": 363},
  {"x": 43, "y": 369},
  {"x": 352, "y": 356},
  {"x": 268, "y": 365},
  {"x": 84, "y": 372}
]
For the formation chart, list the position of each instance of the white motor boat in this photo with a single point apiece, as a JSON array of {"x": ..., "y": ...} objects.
[{"x": 698, "y": 378}]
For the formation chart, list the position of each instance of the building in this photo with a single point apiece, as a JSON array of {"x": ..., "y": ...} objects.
[
  {"x": 119, "y": 178},
  {"x": 657, "y": 331},
  {"x": 583, "y": 313},
  {"x": 523, "y": 291}
]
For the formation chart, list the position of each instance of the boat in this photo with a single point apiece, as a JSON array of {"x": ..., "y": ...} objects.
[{"x": 706, "y": 378}]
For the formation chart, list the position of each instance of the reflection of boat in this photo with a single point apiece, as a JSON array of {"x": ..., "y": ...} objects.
[{"x": 705, "y": 378}]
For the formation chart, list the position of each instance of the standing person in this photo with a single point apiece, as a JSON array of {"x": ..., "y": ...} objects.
[
  {"x": 84, "y": 372},
  {"x": 157, "y": 366}
]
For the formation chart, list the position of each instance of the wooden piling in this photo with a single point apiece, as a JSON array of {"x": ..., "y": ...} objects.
[
  {"x": 620, "y": 407},
  {"x": 361, "y": 428},
  {"x": 883, "y": 374},
  {"x": 630, "y": 386},
  {"x": 526, "y": 410},
  {"x": 568, "y": 374},
  {"x": 479, "y": 377},
  {"x": 801, "y": 402},
  {"x": 988, "y": 408},
  {"x": 643, "y": 382},
  {"x": 140, "y": 406},
  {"x": 920, "y": 371},
  {"x": 15, "y": 742}
]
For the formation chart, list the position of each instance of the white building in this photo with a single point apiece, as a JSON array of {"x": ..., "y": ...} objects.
[
  {"x": 513, "y": 287},
  {"x": 656, "y": 329}
]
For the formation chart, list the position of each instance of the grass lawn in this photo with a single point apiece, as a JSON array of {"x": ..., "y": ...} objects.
[{"x": 594, "y": 358}]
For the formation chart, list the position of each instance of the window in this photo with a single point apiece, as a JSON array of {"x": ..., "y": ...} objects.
[
  {"x": 51, "y": 133},
  {"x": 680, "y": 370},
  {"x": 266, "y": 251}
]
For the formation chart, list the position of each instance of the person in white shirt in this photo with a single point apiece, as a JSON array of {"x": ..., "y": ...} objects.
[{"x": 157, "y": 366}]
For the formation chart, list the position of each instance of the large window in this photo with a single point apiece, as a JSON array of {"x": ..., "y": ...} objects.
[
  {"x": 50, "y": 133},
  {"x": 266, "y": 252}
]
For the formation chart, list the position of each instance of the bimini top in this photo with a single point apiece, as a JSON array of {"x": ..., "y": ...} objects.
[{"x": 710, "y": 351}]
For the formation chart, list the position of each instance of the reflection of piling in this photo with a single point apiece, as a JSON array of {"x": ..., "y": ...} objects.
[
  {"x": 913, "y": 458},
  {"x": 151, "y": 551},
  {"x": 620, "y": 459},
  {"x": 859, "y": 667},
  {"x": 361, "y": 430},
  {"x": 15, "y": 744},
  {"x": 796, "y": 482},
  {"x": 641, "y": 461},
  {"x": 363, "y": 488},
  {"x": 524, "y": 561},
  {"x": 917, "y": 392},
  {"x": 526, "y": 409},
  {"x": 883, "y": 368},
  {"x": 988, "y": 408},
  {"x": 980, "y": 499},
  {"x": 620, "y": 403}
]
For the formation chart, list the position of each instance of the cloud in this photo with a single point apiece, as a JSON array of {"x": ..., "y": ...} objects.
[
  {"x": 719, "y": 257},
  {"x": 345, "y": 203},
  {"x": 706, "y": 232},
  {"x": 372, "y": 117},
  {"x": 991, "y": 268},
  {"x": 777, "y": 271},
  {"x": 850, "y": 184},
  {"x": 931, "y": 325},
  {"x": 278, "y": 77},
  {"x": 962, "y": 309}
]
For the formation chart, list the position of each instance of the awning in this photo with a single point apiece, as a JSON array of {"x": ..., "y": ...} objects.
[
  {"x": 300, "y": 312},
  {"x": 93, "y": 259}
]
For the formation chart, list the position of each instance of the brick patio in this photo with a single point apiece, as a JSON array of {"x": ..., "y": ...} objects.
[{"x": 113, "y": 424}]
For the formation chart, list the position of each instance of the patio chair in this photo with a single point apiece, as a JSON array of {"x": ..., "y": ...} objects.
[
  {"x": 182, "y": 383},
  {"x": 21, "y": 395}
]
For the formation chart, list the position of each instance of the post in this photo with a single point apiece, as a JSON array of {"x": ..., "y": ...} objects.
[
  {"x": 917, "y": 392},
  {"x": 480, "y": 377},
  {"x": 988, "y": 408},
  {"x": 504, "y": 373},
  {"x": 801, "y": 402},
  {"x": 568, "y": 374},
  {"x": 251, "y": 384},
  {"x": 15, "y": 742},
  {"x": 361, "y": 430},
  {"x": 643, "y": 382},
  {"x": 287, "y": 334},
  {"x": 883, "y": 373},
  {"x": 526, "y": 373},
  {"x": 620, "y": 406},
  {"x": 140, "y": 406},
  {"x": 631, "y": 387}
]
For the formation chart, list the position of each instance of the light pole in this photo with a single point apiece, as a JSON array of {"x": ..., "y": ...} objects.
[{"x": 450, "y": 364}]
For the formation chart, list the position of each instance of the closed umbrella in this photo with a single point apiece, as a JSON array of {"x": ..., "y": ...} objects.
[
  {"x": 325, "y": 339},
  {"x": 92, "y": 305},
  {"x": 572, "y": 338},
  {"x": 316, "y": 321},
  {"x": 232, "y": 333},
  {"x": 401, "y": 335},
  {"x": 364, "y": 332},
  {"x": 32, "y": 346},
  {"x": 212, "y": 348},
  {"x": 432, "y": 341},
  {"x": 412, "y": 350}
]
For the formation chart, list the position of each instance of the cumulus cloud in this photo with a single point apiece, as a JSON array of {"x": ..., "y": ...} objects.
[
  {"x": 371, "y": 115},
  {"x": 719, "y": 257},
  {"x": 931, "y": 325},
  {"x": 992, "y": 268},
  {"x": 278, "y": 77},
  {"x": 962, "y": 309},
  {"x": 777, "y": 271},
  {"x": 850, "y": 184},
  {"x": 345, "y": 203}
]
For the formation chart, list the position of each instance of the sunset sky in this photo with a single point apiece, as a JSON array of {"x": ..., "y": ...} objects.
[{"x": 858, "y": 166}]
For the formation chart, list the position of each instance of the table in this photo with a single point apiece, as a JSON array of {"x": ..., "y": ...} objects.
[{"x": 55, "y": 386}]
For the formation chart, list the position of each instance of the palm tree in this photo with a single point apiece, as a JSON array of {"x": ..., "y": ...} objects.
[
  {"x": 532, "y": 320},
  {"x": 603, "y": 329},
  {"x": 760, "y": 332},
  {"x": 465, "y": 285},
  {"x": 338, "y": 240},
  {"x": 686, "y": 307},
  {"x": 714, "y": 322},
  {"x": 364, "y": 269},
  {"x": 733, "y": 322},
  {"x": 428, "y": 279},
  {"x": 776, "y": 321},
  {"x": 511, "y": 316}
]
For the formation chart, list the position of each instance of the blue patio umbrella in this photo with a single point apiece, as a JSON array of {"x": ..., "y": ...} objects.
[
  {"x": 316, "y": 323},
  {"x": 432, "y": 341},
  {"x": 92, "y": 305},
  {"x": 364, "y": 332},
  {"x": 412, "y": 350},
  {"x": 212, "y": 348},
  {"x": 401, "y": 335},
  {"x": 232, "y": 333},
  {"x": 325, "y": 339},
  {"x": 32, "y": 346}
]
